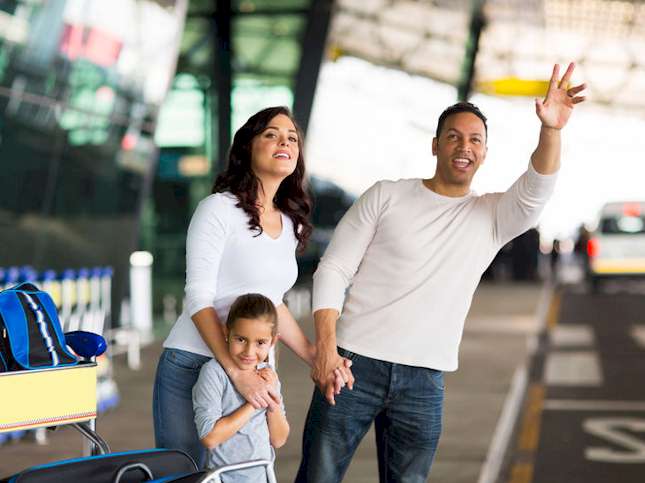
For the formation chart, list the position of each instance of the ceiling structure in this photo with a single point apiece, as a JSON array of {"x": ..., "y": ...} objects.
[
  {"x": 268, "y": 51},
  {"x": 516, "y": 43}
]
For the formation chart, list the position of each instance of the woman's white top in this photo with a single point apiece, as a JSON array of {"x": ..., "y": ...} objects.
[{"x": 225, "y": 259}]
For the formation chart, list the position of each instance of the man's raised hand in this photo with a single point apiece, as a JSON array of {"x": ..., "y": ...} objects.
[{"x": 554, "y": 111}]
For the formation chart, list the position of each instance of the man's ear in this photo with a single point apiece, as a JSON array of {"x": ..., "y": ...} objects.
[
  {"x": 434, "y": 146},
  {"x": 485, "y": 153},
  {"x": 225, "y": 330}
]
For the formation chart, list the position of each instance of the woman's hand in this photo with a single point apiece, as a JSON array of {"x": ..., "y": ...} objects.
[
  {"x": 255, "y": 389},
  {"x": 269, "y": 376}
]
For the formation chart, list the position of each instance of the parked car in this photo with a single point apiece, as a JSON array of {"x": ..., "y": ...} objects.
[{"x": 616, "y": 248}]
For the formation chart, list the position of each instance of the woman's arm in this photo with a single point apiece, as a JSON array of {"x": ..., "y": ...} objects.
[
  {"x": 295, "y": 339},
  {"x": 251, "y": 386},
  {"x": 227, "y": 426},
  {"x": 292, "y": 335}
]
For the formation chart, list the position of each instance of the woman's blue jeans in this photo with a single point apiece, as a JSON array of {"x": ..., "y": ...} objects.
[
  {"x": 172, "y": 403},
  {"x": 406, "y": 405}
]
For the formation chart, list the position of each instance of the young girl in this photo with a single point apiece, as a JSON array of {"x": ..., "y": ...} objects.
[{"x": 230, "y": 427}]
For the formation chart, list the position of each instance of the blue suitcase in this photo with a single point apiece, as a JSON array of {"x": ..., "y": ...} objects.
[{"x": 125, "y": 467}]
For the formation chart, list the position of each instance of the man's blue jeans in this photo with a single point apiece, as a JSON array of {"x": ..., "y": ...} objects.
[
  {"x": 172, "y": 403},
  {"x": 406, "y": 405}
]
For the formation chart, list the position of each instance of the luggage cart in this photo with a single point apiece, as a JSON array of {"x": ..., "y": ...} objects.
[{"x": 42, "y": 398}]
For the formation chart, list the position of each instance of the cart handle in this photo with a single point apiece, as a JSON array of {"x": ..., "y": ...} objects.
[
  {"x": 132, "y": 466},
  {"x": 214, "y": 476}
]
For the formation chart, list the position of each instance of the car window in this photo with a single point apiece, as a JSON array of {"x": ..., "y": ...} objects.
[{"x": 627, "y": 225}]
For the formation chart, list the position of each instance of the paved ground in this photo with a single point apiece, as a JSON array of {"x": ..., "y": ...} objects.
[
  {"x": 495, "y": 343},
  {"x": 584, "y": 418}
]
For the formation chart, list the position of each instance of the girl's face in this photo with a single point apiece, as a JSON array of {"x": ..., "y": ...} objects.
[
  {"x": 249, "y": 341},
  {"x": 275, "y": 151}
]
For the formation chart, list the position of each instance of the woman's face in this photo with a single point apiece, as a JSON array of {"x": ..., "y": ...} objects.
[{"x": 275, "y": 151}]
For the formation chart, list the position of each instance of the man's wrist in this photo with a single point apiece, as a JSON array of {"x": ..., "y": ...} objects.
[{"x": 325, "y": 345}]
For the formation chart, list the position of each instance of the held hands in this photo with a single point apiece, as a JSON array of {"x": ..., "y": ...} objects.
[
  {"x": 271, "y": 379},
  {"x": 331, "y": 372},
  {"x": 256, "y": 389},
  {"x": 269, "y": 376},
  {"x": 555, "y": 109}
]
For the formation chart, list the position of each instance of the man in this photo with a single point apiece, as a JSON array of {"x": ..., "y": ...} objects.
[{"x": 410, "y": 254}]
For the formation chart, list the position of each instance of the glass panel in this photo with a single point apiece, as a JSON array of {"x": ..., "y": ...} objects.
[{"x": 80, "y": 85}]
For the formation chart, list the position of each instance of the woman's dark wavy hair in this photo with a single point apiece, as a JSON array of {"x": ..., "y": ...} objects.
[{"x": 291, "y": 199}]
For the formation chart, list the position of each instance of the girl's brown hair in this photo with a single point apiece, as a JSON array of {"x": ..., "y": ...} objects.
[{"x": 253, "y": 306}]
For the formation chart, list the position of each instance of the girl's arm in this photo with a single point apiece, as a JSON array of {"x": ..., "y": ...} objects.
[
  {"x": 278, "y": 427},
  {"x": 276, "y": 419},
  {"x": 227, "y": 426}
]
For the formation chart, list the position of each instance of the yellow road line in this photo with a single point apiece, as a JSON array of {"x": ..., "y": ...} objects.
[
  {"x": 530, "y": 435},
  {"x": 522, "y": 473},
  {"x": 554, "y": 310}
]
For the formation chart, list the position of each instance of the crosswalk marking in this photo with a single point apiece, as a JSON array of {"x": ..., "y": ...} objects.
[
  {"x": 579, "y": 368},
  {"x": 576, "y": 335},
  {"x": 593, "y": 405}
]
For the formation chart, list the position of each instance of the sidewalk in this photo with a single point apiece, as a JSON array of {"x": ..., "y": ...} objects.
[{"x": 494, "y": 345}]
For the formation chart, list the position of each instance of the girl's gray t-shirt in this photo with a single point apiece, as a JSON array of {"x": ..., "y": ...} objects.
[{"x": 214, "y": 397}]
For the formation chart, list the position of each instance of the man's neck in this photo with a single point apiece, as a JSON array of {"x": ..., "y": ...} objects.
[{"x": 444, "y": 189}]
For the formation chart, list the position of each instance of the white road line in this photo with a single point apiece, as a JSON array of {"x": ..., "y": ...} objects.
[
  {"x": 579, "y": 368},
  {"x": 572, "y": 335},
  {"x": 500, "y": 443},
  {"x": 593, "y": 405},
  {"x": 504, "y": 429}
]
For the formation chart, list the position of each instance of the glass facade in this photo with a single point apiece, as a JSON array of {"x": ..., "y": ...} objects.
[{"x": 81, "y": 82}]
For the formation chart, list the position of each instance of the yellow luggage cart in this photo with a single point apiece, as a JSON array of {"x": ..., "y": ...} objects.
[{"x": 52, "y": 397}]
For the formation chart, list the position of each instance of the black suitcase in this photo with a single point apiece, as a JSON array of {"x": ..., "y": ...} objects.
[{"x": 126, "y": 467}]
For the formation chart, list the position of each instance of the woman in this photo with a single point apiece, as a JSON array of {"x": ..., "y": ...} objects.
[{"x": 241, "y": 239}]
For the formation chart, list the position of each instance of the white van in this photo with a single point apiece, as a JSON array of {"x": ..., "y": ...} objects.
[{"x": 616, "y": 247}]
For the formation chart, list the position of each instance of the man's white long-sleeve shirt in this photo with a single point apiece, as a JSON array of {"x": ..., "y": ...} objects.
[{"x": 404, "y": 263}]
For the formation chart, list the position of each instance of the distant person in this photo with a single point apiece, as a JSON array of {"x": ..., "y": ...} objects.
[
  {"x": 402, "y": 268},
  {"x": 555, "y": 258},
  {"x": 580, "y": 247},
  {"x": 230, "y": 428},
  {"x": 524, "y": 255},
  {"x": 242, "y": 238}
]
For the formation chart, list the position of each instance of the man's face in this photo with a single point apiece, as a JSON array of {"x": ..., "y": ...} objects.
[{"x": 460, "y": 149}]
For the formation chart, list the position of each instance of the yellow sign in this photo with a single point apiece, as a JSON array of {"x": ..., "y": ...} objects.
[{"x": 513, "y": 86}]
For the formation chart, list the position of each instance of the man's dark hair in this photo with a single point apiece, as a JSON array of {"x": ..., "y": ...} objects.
[
  {"x": 253, "y": 306},
  {"x": 456, "y": 109}
]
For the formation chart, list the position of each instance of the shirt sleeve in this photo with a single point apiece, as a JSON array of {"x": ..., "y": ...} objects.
[
  {"x": 204, "y": 245},
  {"x": 343, "y": 256},
  {"x": 207, "y": 399},
  {"x": 519, "y": 208}
]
